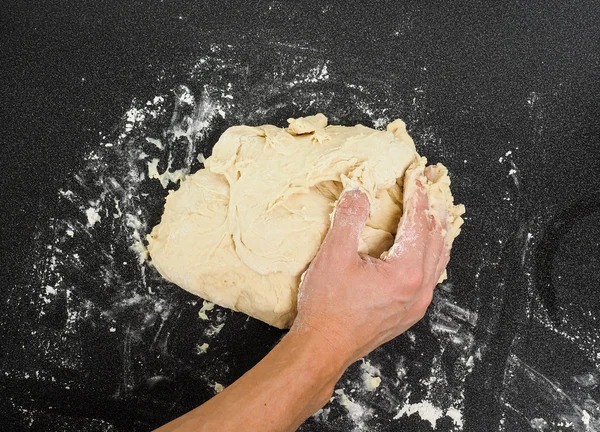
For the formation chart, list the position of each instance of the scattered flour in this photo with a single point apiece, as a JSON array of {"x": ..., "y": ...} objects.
[
  {"x": 117, "y": 192},
  {"x": 93, "y": 217},
  {"x": 357, "y": 413},
  {"x": 371, "y": 375},
  {"x": 426, "y": 410}
]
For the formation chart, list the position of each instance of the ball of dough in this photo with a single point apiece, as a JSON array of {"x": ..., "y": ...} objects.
[{"x": 241, "y": 231}]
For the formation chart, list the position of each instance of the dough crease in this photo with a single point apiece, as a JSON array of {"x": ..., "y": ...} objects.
[{"x": 241, "y": 232}]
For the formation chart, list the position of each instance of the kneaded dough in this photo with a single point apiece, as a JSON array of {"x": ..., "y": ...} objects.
[{"x": 242, "y": 231}]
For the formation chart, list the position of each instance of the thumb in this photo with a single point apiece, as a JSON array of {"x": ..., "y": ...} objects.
[{"x": 349, "y": 219}]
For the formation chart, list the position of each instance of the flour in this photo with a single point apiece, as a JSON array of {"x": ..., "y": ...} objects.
[
  {"x": 93, "y": 217},
  {"x": 426, "y": 410},
  {"x": 357, "y": 413},
  {"x": 571, "y": 406},
  {"x": 456, "y": 416},
  {"x": 157, "y": 142},
  {"x": 586, "y": 380},
  {"x": 568, "y": 326},
  {"x": 167, "y": 176},
  {"x": 91, "y": 268},
  {"x": 532, "y": 99},
  {"x": 214, "y": 330},
  {"x": 314, "y": 75},
  {"x": 371, "y": 375}
]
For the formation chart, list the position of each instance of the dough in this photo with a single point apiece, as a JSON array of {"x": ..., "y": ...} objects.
[{"x": 242, "y": 231}]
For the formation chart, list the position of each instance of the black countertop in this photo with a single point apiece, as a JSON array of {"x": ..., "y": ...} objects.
[{"x": 505, "y": 94}]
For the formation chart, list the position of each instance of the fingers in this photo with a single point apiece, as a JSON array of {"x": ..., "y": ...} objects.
[
  {"x": 349, "y": 219},
  {"x": 409, "y": 247},
  {"x": 422, "y": 247},
  {"x": 442, "y": 264},
  {"x": 437, "y": 243},
  {"x": 433, "y": 256}
]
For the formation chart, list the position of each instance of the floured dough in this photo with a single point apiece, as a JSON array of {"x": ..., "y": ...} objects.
[{"x": 241, "y": 232}]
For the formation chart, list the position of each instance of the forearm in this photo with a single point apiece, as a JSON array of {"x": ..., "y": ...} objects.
[{"x": 291, "y": 383}]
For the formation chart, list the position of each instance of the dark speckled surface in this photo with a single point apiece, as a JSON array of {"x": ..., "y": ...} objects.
[{"x": 511, "y": 95}]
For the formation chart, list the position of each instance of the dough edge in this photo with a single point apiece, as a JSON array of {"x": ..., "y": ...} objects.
[{"x": 194, "y": 245}]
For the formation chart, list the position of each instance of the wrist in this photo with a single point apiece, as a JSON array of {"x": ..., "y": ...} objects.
[{"x": 330, "y": 356}]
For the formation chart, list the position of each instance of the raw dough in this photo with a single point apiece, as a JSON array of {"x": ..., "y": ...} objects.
[{"x": 241, "y": 231}]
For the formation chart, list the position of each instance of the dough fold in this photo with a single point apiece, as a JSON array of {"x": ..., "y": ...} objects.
[{"x": 241, "y": 231}]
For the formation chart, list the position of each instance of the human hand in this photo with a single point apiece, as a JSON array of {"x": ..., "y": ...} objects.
[{"x": 356, "y": 302}]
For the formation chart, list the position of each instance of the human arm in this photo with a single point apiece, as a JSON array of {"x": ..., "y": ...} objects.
[
  {"x": 348, "y": 305},
  {"x": 291, "y": 383}
]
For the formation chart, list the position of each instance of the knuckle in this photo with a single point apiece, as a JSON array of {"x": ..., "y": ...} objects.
[
  {"x": 351, "y": 209},
  {"x": 353, "y": 202}
]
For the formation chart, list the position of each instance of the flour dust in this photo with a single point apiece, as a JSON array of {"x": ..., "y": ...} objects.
[{"x": 94, "y": 284}]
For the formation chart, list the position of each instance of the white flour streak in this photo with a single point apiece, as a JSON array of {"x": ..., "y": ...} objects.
[
  {"x": 93, "y": 217},
  {"x": 92, "y": 269},
  {"x": 532, "y": 99},
  {"x": 426, "y": 410},
  {"x": 586, "y": 380},
  {"x": 456, "y": 416},
  {"x": 358, "y": 414},
  {"x": 314, "y": 75},
  {"x": 539, "y": 424},
  {"x": 371, "y": 375},
  {"x": 92, "y": 262},
  {"x": 575, "y": 407},
  {"x": 513, "y": 172}
]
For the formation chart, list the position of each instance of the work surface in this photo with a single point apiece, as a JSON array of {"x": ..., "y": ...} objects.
[{"x": 505, "y": 95}]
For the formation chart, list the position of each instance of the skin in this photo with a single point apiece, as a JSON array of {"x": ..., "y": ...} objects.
[{"x": 348, "y": 305}]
